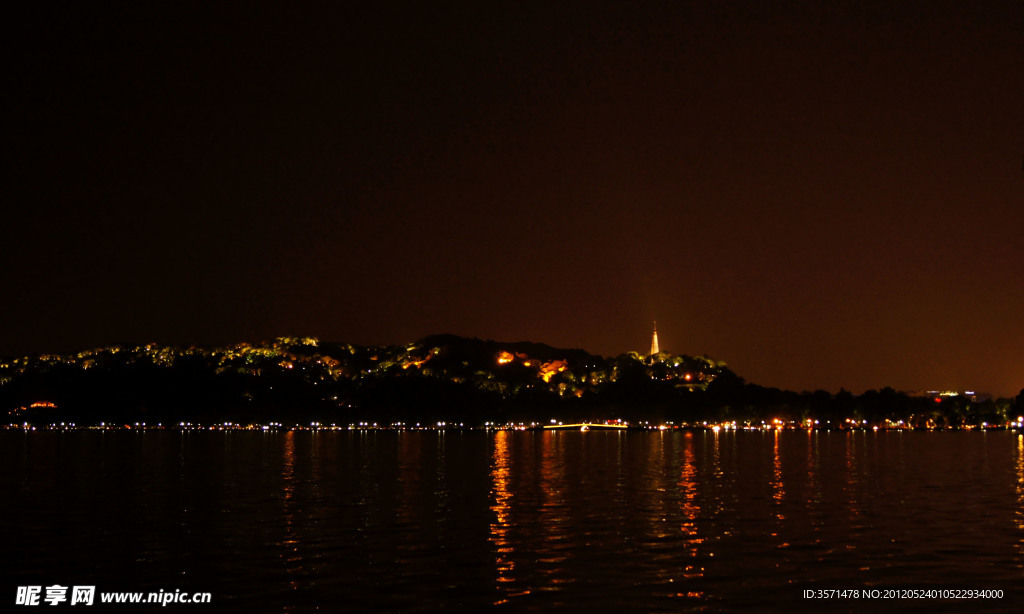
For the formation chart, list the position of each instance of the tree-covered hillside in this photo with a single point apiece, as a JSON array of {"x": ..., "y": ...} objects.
[{"x": 438, "y": 378}]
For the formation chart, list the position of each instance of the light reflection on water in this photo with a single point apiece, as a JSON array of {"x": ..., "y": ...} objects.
[
  {"x": 690, "y": 511},
  {"x": 290, "y": 544},
  {"x": 424, "y": 521},
  {"x": 1020, "y": 501},
  {"x": 504, "y": 550}
]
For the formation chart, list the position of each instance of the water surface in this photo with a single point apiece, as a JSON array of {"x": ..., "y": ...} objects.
[{"x": 379, "y": 521}]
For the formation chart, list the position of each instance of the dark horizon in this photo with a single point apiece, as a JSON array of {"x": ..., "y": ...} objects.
[{"x": 820, "y": 196}]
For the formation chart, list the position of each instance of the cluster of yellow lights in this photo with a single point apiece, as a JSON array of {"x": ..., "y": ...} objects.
[
  {"x": 415, "y": 363},
  {"x": 36, "y": 405},
  {"x": 550, "y": 369},
  {"x": 546, "y": 370}
]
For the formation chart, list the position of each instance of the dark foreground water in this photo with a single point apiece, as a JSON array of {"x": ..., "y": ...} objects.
[{"x": 430, "y": 521}]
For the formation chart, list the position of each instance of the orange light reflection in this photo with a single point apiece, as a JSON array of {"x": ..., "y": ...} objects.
[
  {"x": 778, "y": 489},
  {"x": 290, "y": 543},
  {"x": 500, "y": 474},
  {"x": 1020, "y": 497},
  {"x": 690, "y": 509}
]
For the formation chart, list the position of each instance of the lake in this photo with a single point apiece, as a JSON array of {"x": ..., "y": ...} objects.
[{"x": 384, "y": 521}]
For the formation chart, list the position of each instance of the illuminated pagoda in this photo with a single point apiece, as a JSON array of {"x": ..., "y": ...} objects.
[{"x": 654, "y": 340}]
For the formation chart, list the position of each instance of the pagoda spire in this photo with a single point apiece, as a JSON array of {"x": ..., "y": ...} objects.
[{"x": 654, "y": 340}]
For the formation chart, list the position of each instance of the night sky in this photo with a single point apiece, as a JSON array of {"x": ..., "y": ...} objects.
[{"x": 822, "y": 194}]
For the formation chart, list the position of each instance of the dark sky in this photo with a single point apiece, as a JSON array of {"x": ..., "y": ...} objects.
[{"x": 822, "y": 194}]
